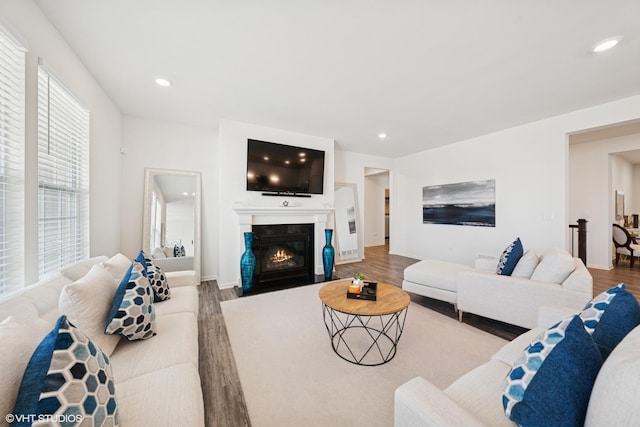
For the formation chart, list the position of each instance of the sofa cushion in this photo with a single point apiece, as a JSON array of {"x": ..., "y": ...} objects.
[
  {"x": 510, "y": 258},
  {"x": 81, "y": 268},
  {"x": 132, "y": 314},
  {"x": 610, "y": 316},
  {"x": 555, "y": 266},
  {"x": 19, "y": 339},
  {"x": 86, "y": 303},
  {"x": 526, "y": 265},
  {"x": 175, "y": 388},
  {"x": 183, "y": 300},
  {"x": 68, "y": 375},
  {"x": 551, "y": 382},
  {"x": 182, "y": 278},
  {"x": 176, "y": 342},
  {"x": 157, "y": 278},
  {"x": 612, "y": 401}
]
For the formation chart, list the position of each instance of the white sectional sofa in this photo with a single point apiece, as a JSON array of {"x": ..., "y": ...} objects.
[
  {"x": 475, "y": 400},
  {"x": 555, "y": 278},
  {"x": 156, "y": 380}
]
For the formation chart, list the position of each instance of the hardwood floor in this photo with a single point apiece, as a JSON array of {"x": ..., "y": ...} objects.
[{"x": 223, "y": 398}]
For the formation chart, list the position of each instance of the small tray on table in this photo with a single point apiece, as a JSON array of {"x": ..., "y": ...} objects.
[{"x": 369, "y": 291}]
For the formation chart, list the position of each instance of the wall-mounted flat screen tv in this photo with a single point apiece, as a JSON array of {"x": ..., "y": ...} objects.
[{"x": 279, "y": 168}]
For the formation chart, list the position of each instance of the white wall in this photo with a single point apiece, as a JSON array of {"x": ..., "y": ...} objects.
[
  {"x": 592, "y": 184},
  {"x": 530, "y": 166},
  {"x": 163, "y": 145},
  {"x": 25, "y": 20},
  {"x": 374, "y": 208},
  {"x": 232, "y": 171}
]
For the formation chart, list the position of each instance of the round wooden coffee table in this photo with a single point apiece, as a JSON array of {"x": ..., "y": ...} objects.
[{"x": 364, "y": 332}]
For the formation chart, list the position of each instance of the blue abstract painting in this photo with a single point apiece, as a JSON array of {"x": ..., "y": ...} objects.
[{"x": 462, "y": 203}]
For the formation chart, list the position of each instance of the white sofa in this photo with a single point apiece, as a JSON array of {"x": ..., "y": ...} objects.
[
  {"x": 156, "y": 380},
  {"x": 475, "y": 399},
  {"x": 555, "y": 278}
]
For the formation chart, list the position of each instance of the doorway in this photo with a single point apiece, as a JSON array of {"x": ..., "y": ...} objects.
[{"x": 377, "y": 211}]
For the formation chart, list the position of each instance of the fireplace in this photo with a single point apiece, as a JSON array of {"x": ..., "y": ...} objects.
[{"x": 284, "y": 255}]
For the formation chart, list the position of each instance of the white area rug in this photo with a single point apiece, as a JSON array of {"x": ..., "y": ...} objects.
[{"x": 291, "y": 377}]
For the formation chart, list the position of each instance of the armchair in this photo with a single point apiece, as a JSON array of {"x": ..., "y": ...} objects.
[{"x": 625, "y": 244}]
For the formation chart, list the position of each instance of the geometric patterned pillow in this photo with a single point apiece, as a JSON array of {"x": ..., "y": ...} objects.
[
  {"x": 68, "y": 380},
  {"x": 550, "y": 384},
  {"x": 510, "y": 258},
  {"x": 610, "y": 316},
  {"x": 157, "y": 279},
  {"x": 132, "y": 314}
]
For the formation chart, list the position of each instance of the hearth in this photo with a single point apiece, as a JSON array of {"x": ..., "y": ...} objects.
[{"x": 284, "y": 255}]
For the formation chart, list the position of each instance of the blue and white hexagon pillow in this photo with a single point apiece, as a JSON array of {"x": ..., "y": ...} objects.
[
  {"x": 132, "y": 314},
  {"x": 550, "y": 383},
  {"x": 157, "y": 279},
  {"x": 510, "y": 258},
  {"x": 68, "y": 381},
  {"x": 610, "y": 316}
]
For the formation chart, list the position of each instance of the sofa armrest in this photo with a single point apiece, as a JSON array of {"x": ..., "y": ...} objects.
[{"x": 418, "y": 403}]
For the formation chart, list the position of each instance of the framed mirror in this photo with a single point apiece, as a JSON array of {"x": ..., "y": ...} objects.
[
  {"x": 619, "y": 205},
  {"x": 347, "y": 224},
  {"x": 171, "y": 218}
]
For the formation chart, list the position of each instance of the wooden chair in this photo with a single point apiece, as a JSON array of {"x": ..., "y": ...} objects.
[{"x": 625, "y": 244}]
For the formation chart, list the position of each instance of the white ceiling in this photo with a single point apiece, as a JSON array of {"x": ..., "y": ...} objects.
[{"x": 426, "y": 72}]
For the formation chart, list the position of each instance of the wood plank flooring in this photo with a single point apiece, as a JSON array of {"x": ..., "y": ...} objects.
[{"x": 223, "y": 398}]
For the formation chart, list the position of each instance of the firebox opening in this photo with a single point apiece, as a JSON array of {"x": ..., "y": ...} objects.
[{"x": 285, "y": 254}]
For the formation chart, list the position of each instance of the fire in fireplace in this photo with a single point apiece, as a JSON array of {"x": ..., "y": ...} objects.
[{"x": 285, "y": 255}]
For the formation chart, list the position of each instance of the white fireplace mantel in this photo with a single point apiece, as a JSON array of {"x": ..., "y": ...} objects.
[{"x": 249, "y": 216}]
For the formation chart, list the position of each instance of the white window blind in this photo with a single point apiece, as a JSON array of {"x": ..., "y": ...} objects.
[
  {"x": 12, "y": 110},
  {"x": 63, "y": 175}
]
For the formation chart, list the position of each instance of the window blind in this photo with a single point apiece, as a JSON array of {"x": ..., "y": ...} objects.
[
  {"x": 63, "y": 175},
  {"x": 12, "y": 141}
]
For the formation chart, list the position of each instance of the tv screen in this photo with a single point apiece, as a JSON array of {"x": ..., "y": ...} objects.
[{"x": 282, "y": 168}]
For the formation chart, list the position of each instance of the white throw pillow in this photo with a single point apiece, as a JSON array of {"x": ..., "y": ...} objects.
[
  {"x": 158, "y": 254},
  {"x": 168, "y": 251},
  {"x": 611, "y": 401},
  {"x": 117, "y": 266},
  {"x": 86, "y": 303},
  {"x": 19, "y": 339},
  {"x": 554, "y": 267},
  {"x": 526, "y": 265}
]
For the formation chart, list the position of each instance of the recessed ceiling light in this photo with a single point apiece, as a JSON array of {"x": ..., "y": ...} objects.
[
  {"x": 606, "y": 44},
  {"x": 161, "y": 81},
  {"x": 185, "y": 193},
  {"x": 382, "y": 135}
]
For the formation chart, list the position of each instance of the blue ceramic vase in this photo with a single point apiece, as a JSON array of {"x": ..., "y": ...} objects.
[
  {"x": 247, "y": 263},
  {"x": 328, "y": 255}
]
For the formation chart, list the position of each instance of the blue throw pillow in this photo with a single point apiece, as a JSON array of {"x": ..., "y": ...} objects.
[
  {"x": 132, "y": 314},
  {"x": 68, "y": 380},
  {"x": 157, "y": 279},
  {"x": 510, "y": 258},
  {"x": 550, "y": 384},
  {"x": 610, "y": 316}
]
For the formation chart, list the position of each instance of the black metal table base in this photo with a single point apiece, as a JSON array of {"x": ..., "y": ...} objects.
[{"x": 364, "y": 340}]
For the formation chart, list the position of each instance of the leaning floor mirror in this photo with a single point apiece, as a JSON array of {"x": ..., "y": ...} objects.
[
  {"x": 171, "y": 224},
  {"x": 347, "y": 224}
]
